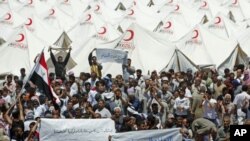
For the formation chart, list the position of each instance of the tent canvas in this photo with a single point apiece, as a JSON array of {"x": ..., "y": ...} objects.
[
  {"x": 203, "y": 48},
  {"x": 146, "y": 52},
  {"x": 183, "y": 13},
  {"x": 224, "y": 27},
  {"x": 19, "y": 51},
  {"x": 244, "y": 41},
  {"x": 135, "y": 15},
  {"x": 88, "y": 24},
  {"x": 171, "y": 29},
  {"x": 62, "y": 44},
  {"x": 8, "y": 22}
]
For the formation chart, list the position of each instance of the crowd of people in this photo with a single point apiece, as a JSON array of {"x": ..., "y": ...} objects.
[{"x": 202, "y": 104}]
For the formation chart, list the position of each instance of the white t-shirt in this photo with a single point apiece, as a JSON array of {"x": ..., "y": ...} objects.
[
  {"x": 7, "y": 99},
  {"x": 104, "y": 113},
  {"x": 209, "y": 112},
  {"x": 183, "y": 103},
  {"x": 188, "y": 93},
  {"x": 91, "y": 97},
  {"x": 239, "y": 99},
  {"x": 73, "y": 89}
]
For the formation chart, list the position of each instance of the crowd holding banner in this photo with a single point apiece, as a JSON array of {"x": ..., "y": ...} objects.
[
  {"x": 158, "y": 106},
  {"x": 145, "y": 70}
]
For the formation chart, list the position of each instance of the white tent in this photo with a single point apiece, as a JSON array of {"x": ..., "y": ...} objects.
[
  {"x": 116, "y": 4},
  {"x": 57, "y": 19},
  {"x": 180, "y": 62},
  {"x": 106, "y": 33},
  {"x": 171, "y": 29},
  {"x": 4, "y": 4},
  {"x": 62, "y": 44},
  {"x": 245, "y": 4},
  {"x": 234, "y": 7},
  {"x": 135, "y": 15},
  {"x": 85, "y": 28},
  {"x": 80, "y": 56},
  {"x": 16, "y": 4},
  {"x": 182, "y": 13},
  {"x": 73, "y": 8},
  {"x": 147, "y": 53},
  {"x": 8, "y": 22},
  {"x": 209, "y": 8},
  {"x": 224, "y": 27},
  {"x": 108, "y": 15},
  {"x": 19, "y": 51},
  {"x": 28, "y": 9},
  {"x": 41, "y": 30},
  {"x": 244, "y": 41},
  {"x": 203, "y": 48}
]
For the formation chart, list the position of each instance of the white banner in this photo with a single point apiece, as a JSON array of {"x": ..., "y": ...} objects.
[
  {"x": 149, "y": 135},
  {"x": 111, "y": 55},
  {"x": 76, "y": 129}
]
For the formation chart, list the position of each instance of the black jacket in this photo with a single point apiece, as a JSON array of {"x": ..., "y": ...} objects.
[{"x": 60, "y": 70}]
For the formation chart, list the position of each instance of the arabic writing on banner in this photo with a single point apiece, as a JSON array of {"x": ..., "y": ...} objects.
[
  {"x": 76, "y": 129},
  {"x": 149, "y": 135},
  {"x": 111, "y": 55}
]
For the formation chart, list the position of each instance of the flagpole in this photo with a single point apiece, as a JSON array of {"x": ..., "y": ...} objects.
[{"x": 32, "y": 71}]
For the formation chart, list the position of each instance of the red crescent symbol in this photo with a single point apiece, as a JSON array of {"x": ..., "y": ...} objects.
[
  {"x": 169, "y": 24},
  {"x": 89, "y": 17},
  {"x": 30, "y": 22},
  {"x": 21, "y": 39},
  {"x": 204, "y": 4},
  {"x": 8, "y": 16},
  {"x": 177, "y": 7},
  {"x": 131, "y": 35},
  {"x": 171, "y": 1},
  {"x": 218, "y": 21},
  {"x": 97, "y": 7},
  {"x": 132, "y": 12},
  {"x": 31, "y": 1},
  {"x": 104, "y": 30},
  {"x": 52, "y": 12},
  {"x": 196, "y": 34},
  {"x": 235, "y": 2}
]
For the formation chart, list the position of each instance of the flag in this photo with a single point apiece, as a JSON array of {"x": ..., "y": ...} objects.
[{"x": 39, "y": 77}]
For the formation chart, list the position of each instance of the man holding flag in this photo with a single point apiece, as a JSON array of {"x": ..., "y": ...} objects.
[{"x": 39, "y": 77}]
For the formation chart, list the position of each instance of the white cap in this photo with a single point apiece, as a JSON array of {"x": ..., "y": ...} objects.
[
  {"x": 108, "y": 95},
  {"x": 132, "y": 76},
  {"x": 170, "y": 116},
  {"x": 132, "y": 111},
  {"x": 70, "y": 73},
  {"x": 219, "y": 77},
  {"x": 145, "y": 77},
  {"x": 164, "y": 78}
]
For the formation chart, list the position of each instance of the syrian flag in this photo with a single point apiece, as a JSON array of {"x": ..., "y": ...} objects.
[{"x": 39, "y": 77}]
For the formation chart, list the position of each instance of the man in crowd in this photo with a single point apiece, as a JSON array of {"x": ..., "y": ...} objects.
[
  {"x": 94, "y": 65},
  {"x": 60, "y": 64}
]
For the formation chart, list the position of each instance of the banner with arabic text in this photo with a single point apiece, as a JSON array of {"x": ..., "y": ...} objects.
[
  {"x": 149, "y": 135},
  {"x": 76, "y": 129},
  {"x": 111, "y": 55}
]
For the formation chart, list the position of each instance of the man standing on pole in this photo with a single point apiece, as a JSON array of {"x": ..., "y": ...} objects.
[{"x": 60, "y": 65}]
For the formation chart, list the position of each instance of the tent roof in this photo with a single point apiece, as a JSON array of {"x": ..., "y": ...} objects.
[{"x": 203, "y": 48}]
